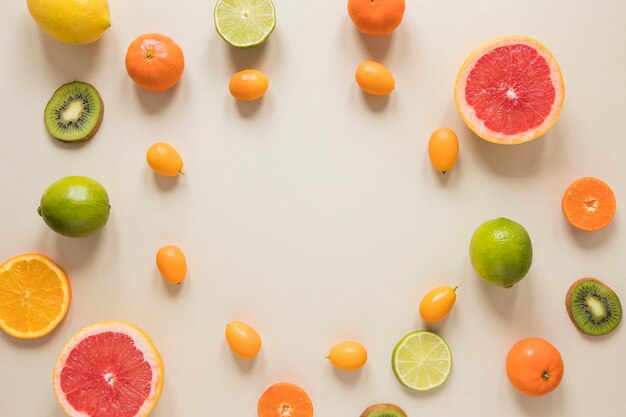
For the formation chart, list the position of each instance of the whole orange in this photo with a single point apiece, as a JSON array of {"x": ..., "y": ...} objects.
[
  {"x": 534, "y": 366},
  {"x": 155, "y": 62},
  {"x": 376, "y": 17}
]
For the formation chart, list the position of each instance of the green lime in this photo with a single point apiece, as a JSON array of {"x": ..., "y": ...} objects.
[
  {"x": 422, "y": 360},
  {"x": 501, "y": 252},
  {"x": 75, "y": 206},
  {"x": 244, "y": 23}
]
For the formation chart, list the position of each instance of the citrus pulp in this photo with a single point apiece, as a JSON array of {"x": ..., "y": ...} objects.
[
  {"x": 510, "y": 90},
  {"x": 35, "y": 296},
  {"x": 422, "y": 360},
  {"x": 244, "y": 23},
  {"x": 109, "y": 369}
]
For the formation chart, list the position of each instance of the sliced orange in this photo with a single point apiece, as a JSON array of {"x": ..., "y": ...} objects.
[
  {"x": 285, "y": 400},
  {"x": 34, "y": 296},
  {"x": 588, "y": 204}
]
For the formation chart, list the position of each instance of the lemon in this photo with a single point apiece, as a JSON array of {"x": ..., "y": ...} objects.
[
  {"x": 422, "y": 360},
  {"x": 72, "y": 21},
  {"x": 501, "y": 252},
  {"x": 75, "y": 206}
]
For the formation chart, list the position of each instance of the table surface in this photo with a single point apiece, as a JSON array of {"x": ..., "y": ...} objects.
[{"x": 314, "y": 214}]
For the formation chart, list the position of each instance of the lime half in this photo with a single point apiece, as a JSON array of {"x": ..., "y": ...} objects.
[
  {"x": 422, "y": 360},
  {"x": 244, "y": 23}
]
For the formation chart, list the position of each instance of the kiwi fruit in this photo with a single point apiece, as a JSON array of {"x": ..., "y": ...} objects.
[
  {"x": 74, "y": 112},
  {"x": 383, "y": 410},
  {"x": 593, "y": 307}
]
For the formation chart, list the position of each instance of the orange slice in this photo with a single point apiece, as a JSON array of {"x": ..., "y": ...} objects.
[
  {"x": 588, "y": 204},
  {"x": 109, "y": 369},
  {"x": 34, "y": 296},
  {"x": 285, "y": 400},
  {"x": 510, "y": 90}
]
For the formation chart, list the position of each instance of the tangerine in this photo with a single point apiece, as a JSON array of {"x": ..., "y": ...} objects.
[
  {"x": 155, "y": 62},
  {"x": 376, "y": 17},
  {"x": 534, "y": 366}
]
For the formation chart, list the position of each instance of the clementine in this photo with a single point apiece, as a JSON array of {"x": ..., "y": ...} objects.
[
  {"x": 376, "y": 17},
  {"x": 155, "y": 62},
  {"x": 534, "y": 366}
]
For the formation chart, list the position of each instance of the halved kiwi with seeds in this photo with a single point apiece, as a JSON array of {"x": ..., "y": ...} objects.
[
  {"x": 74, "y": 113},
  {"x": 383, "y": 410},
  {"x": 593, "y": 307}
]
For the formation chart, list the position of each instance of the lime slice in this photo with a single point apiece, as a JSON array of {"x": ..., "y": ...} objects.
[
  {"x": 422, "y": 360},
  {"x": 245, "y": 23}
]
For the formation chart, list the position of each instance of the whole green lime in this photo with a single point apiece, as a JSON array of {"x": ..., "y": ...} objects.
[
  {"x": 501, "y": 252},
  {"x": 75, "y": 206}
]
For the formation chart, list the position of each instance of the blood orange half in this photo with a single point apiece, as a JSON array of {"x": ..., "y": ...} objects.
[
  {"x": 510, "y": 90},
  {"x": 109, "y": 369}
]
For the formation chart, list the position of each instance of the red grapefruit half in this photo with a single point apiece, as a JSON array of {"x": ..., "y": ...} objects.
[
  {"x": 510, "y": 90},
  {"x": 109, "y": 369}
]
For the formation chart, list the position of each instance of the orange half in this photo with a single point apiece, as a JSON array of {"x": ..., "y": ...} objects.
[
  {"x": 285, "y": 400},
  {"x": 34, "y": 296},
  {"x": 588, "y": 204}
]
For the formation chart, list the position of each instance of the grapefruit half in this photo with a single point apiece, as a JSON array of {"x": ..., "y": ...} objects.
[
  {"x": 109, "y": 369},
  {"x": 510, "y": 90}
]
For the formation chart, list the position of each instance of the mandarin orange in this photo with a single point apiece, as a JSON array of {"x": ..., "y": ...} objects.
[
  {"x": 376, "y": 17},
  {"x": 534, "y": 366},
  {"x": 155, "y": 62}
]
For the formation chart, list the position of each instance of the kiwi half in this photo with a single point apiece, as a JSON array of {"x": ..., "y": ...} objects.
[
  {"x": 74, "y": 113},
  {"x": 383, "y": 410},
  {"x": 593, "y": 307}
]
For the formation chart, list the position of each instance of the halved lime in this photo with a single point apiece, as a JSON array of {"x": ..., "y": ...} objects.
[
  {"x": 244, "y": 23},
  {"x": 422, "y": 360}
]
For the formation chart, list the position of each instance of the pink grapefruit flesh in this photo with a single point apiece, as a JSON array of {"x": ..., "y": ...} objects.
[
  {"x": 510, "y": 90},
  {"x": 108, "y": 370}
]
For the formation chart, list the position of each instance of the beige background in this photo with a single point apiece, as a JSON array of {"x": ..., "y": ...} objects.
[{"x": 314, "y": 214}]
